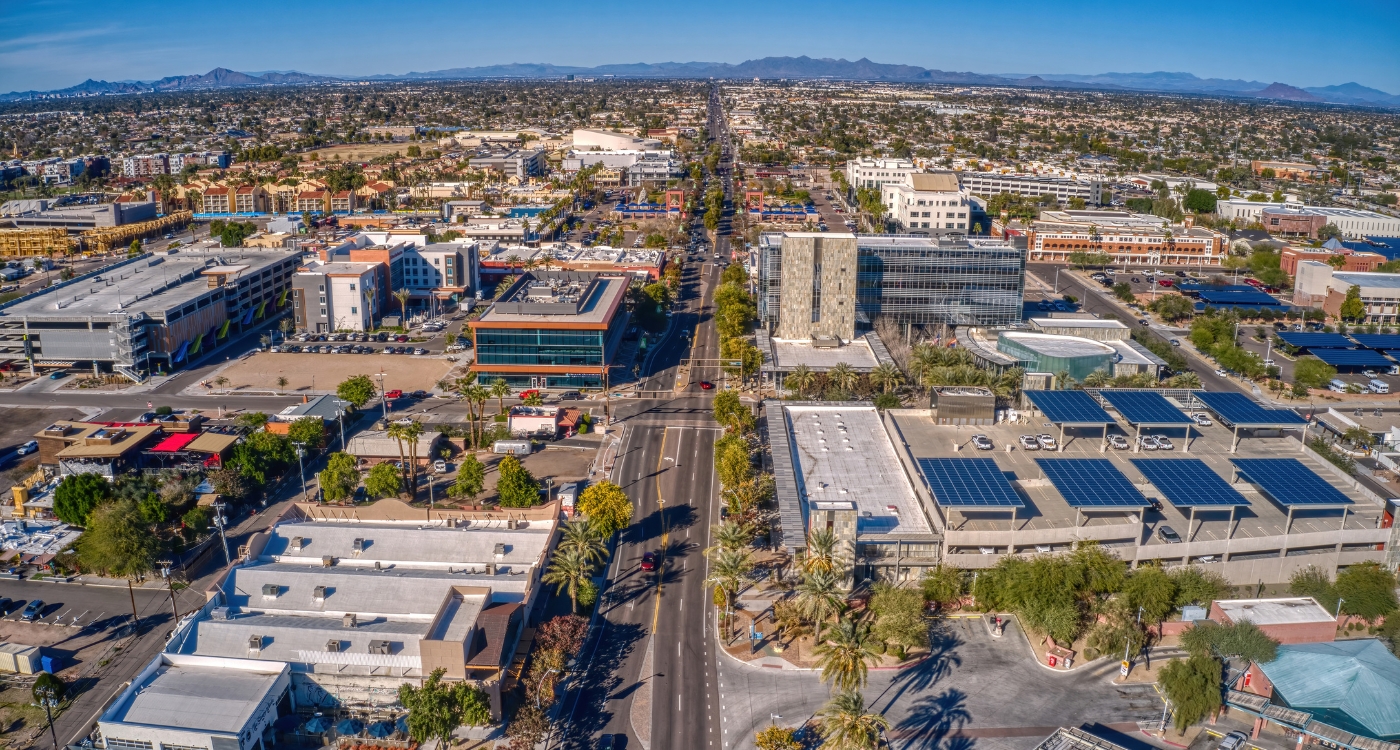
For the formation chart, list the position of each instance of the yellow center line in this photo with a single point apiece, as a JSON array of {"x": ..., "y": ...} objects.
[{"x": 661, "y": 509}]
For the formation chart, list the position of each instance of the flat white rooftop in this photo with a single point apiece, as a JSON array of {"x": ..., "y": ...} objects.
[
  {"x": 1262, "y": 612},
  {"x": 843, "y": 455},
  {"x": 789, "y": 354},
  {"x": 201, "y": 698}
]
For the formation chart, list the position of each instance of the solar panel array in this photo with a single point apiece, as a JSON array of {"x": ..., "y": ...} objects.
[
  {"x": 1290, "y": 482},
  {"x": 1069, "y": 407},
  {"x": 1239, "y": 409},
  {"x": 1352, "y": 357},
  {"x": 1144, "y": 407},
  {"x": 1189, "y": 482},
  {"x": 1305, "y": 340},
  {"x": 1091, "y": 483},
  {"x": 1225, "y": 299},
  {"x": 1377, "y": 340},
  {"x": 969, "y": 483}
]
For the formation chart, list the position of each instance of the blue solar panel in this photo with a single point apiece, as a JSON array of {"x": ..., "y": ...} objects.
[
  {"x": 969, "y": 483},
  {"x": 1239, "y": 409},
  {"x": 1305, "y": 340},
  {"x": 1145, "y": 407},
  {"x": 1289, "y": 481},
  {"x": 1091, "y": 483},
  {"x": 1377, "y": 340},
  {"x": 1069, "y": 407},
  {"x": 1188, "y": 482},
  {"x": 1352, "y": 357},
  {"x": 1225, "y": 299}
]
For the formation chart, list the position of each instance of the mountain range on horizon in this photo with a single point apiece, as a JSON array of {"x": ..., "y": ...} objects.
[{"x": 800, "y": 68}]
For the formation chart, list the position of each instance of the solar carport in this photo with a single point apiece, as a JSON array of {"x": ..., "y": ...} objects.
[
  {"x": 1190, "y": 484},
  {"x": 1092, "y": 484},
  {"x": 1148, "y": 409},
  {"x": 970, "y": 485},
  {"x": 1240, "y": 411},
  {"x": 1290, "y": 483},
  {"x": 1071, "y": 409},
  {"x": 1353, "y": 358}
]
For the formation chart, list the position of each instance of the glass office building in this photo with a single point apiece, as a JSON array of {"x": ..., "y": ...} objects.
[{"x": 917, "y": 280}]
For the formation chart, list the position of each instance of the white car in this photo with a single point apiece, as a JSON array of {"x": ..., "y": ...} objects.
[
  {"x": 440, "y": 466},
  {"x": 1270, "y": 363},
  {"x": 1221, "y": 372},
  {"x": 1202, "y": 420},
  {"x": 1046, "y": 441},
  {"x": 1364, "y": 373},
  {"x": 982, "y": 443},
  {"x": 1118, "y": 442},
  {"x": 1147, "y": 442},
  {"x": 27, "y": 448},
  {"x": 1163, "y": 443},
  {"x": 1029, "y": 442}
]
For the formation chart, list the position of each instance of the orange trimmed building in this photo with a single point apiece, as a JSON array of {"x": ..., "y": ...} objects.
[{"x": 558, "y": 329}]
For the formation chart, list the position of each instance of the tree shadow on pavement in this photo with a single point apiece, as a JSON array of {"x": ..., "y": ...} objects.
[
  {"x": 932, "y": 718},
  {"x": 943, "y": 657},
  {"x": 602, "y": 684}
]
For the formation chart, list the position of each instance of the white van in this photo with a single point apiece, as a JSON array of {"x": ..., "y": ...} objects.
[
  {"x": 1337, "y": 384},
  {"x": 512, "y": 447},
  {"x": 1378, "y": 386}
]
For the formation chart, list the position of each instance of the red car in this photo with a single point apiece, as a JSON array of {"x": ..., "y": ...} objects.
[
  {"x": 1254, "y": 282},
  {"x": 527, "y": 394},
  {"x": 706, "y": 385},
  {"x": 649, "y": 561},
  {"x": 1164, "y": 282},
  {"x": 396, "y": 393}
]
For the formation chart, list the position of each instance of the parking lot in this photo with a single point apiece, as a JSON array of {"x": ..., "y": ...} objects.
[{"x": 322, "y": 372}]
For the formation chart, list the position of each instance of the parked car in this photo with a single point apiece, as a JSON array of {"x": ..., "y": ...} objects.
[
  {"x": 1369, "y": 373},
  {"x": 1168, "y": 535},
  {"x": 1163, "y": 443},
  {"x": 1176, "y": 342},
  {"x": 396, "y": 393},
  {"x": 1202, "y": 420},
  {"x": 420, "y": 350},
  {"x": 419, "y": 394},
  {"x": 27, "y": 448},
  {"x": 1046, "y": 441},
  {"x": 440, "y": 466},
  {"x": 529, "y": 393},
  {"x": 6, "y": 604},
  {"x": 982, "y": 443},
  {"x": 649, "y": 561},
  {"x": 1147, "y": 442},
  {"x": 32, "y": 611},
  {"x": 1232, "y": 741},
  {"x": 1118, "y": 442},
  {"x": 1028, "y": 442},
  {"x": 1155, "y": 504}
]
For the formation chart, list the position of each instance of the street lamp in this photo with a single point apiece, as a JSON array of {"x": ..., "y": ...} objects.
[
  {"x": 383, "y": 401},
  {"x": 340, "y": 419},
  {"x": 547, "y": 672}
]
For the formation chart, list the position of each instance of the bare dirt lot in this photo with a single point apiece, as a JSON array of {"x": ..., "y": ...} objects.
[
  {"x": 322, "y": 372},
  {"x": 362, "y": 151},
  {"x": 17, "y": 427}
]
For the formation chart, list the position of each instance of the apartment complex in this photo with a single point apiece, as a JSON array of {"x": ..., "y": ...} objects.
[
  {"x": 1064, "y": 189},
  {"x": 146, "y": 165},
  {"x": 1127, "y": 238},
  {"x": 805, "y": 290},
  {"x": 149, "y": 313},
  {"x": 867, "y": 172},
  {"x": 552, "y": 329},
  {"x": 336, "y": 296},
  {"x": 929, "y": 203}
]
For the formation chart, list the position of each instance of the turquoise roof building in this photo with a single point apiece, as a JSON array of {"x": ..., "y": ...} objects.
[{"x": 1352, "y": 685}]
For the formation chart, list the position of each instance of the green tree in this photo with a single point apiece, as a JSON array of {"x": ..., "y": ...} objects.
[
  {"x": 253, "y": 420},
  {"x": 196, "y": 520},
  {"x": 732, "y": 460},
  {"x": 1193, "y": 687},
  {"x": 568, "y": 569},
  {"x": 153, "y": 510},
  {"x": 118, "y": 541},
  {"x": 1243, "y": 639},
  {"x": 516, "y": 487},
  {"x": 1197, "y": 587},
  {"x": 899, "y": 616},
  {"x": 436, "y": 709},
  {"x": 730, "y": 412},
  {"x": 340, "y": 477},
  {"x": 581, "y": 536},
  {"x": 471, "y": 479},
  {"x": 1151, "y": 589},
  {"x": 777, "y": 738},
  {"x": 1353, "y": 308},
  {"x": 843, "y": 657},
  {"x": 819, "y": 596},
  {"x": 1199, "y": 200},
  {"x": 78, "y": 495},
  {"x": 1311, "y": 372},
  {"x": 357, "y": 389},
  {"x": 309, "y": 431},
  {"x": 1173, "y": 307},
  {"x": 607, "y": 507},
  {"x": 1124, "y": 291},
  {"x": 846, "y": 725},
  {"x": 383, "y": 481},
  {"x": 1367, "y": 591},
  {"x": 1329, "y": 231},
  {"x": 942, "y": 585}
]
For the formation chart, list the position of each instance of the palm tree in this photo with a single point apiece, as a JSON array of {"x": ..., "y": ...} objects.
[
  {"x": 727, "y": 571},
  {"x": 402, "y": 296},
  {"x": 886, "y": 376},
  {"x": 843, "y": 655},
  {"x": 581, "y": 536},
  {"x": 843, "y": 375},
  {"x": 729, "y": 535},
  {"x": 819, "y": 597},
  {"x": 568, "y": 569},
  {"x": 1097, "y": 379},
  {"x": 478, "y": 394},
  {"x": 396, "y": 432},
  {"x": 802, "y": 378},
  {"x": 500, "y": 389},
  {"x": 847, "y": 726},
  {"x": 821, "y": 552},
  {"x": 411, "y": 432}
]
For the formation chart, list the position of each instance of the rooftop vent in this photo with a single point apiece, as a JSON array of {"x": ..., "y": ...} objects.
[
  {"x": 358, "y": 546},
  {"x": 499, "y": 550},
  {"x": 298, "y": 543},
  {"x": 319, "y": 593},
  {"x": 378, "y": 565},
  {"x": 333, "y": 646},
  {"x": 255, "y": 644},
  {"x": 327, "y": 561},
  {"x": 379, "y": 647},
  {"x": 348, "y": 621},
  {"x": 271, "y": 590}
]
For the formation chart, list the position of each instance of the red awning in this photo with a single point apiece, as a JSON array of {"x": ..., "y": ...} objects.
[{"x": 176, "y": 442}]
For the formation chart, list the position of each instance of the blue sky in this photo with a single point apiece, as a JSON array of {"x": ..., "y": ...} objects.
[{"x": 47, "y": 44}]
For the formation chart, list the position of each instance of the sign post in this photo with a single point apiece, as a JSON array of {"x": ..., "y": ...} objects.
[{"x": 1123, "y": 668}]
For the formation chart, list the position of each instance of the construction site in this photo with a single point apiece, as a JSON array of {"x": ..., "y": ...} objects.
[{"x": 31, "y": 241}]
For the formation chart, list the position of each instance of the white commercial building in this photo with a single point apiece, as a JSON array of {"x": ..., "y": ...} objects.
[
  {"x": 340, "y": 296},
  {"x": 1353, "y": 222},
  {"x": 866, "y": 172},
  {"x": 604, "y": 140},
  {"x": 1064, "y": 189},
  {"x": 1319, "y": 285},
  {"x": 928, "y": 203}
]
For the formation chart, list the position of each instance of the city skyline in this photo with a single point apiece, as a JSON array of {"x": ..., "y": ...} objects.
[{"x": 51, "y": 45}]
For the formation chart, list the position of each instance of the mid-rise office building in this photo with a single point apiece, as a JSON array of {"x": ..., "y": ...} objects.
[
  {"x": 336, "y": 296},
  {"x": 517, "y": 163},
  {"x": 930, "y": 203},
  {"x": 808, "y": 286},
  {"x": 145, "y": 165},
  {"x": 1127, "y": 238},
  {"x": 1065, "y": 189},
  {"x": 152, "y": 312},
  {"x": 866, "y": 172},
  {"x": 552, "y": 329}
]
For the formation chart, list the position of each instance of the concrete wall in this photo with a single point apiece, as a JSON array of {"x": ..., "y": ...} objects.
[{"x": 838, "y": 287}]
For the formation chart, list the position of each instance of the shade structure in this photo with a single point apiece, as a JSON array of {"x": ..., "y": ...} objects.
[{"x": 350, "y": 726}]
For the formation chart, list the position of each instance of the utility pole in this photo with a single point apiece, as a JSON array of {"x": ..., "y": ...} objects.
[
  {"x": 219, "y": 522},
  {"x": 301, "y": 451},
  {"x": 165, "y": 573}
]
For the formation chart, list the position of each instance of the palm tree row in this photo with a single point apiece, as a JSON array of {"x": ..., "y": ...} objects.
[
  {"x": 730, "y": 562},
  {"x": 581, "y": 550}
]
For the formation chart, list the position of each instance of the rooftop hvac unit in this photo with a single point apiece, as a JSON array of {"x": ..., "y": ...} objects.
[
  {"x": 255, "y": 643},
  {"x": 319, "y": 593},
  {"x": 348, "y": 620},
  {"x": 500, "y": 549},
  {"x": 358, "y": 546},
  {"x": 490, "y": 569},
  {"x": 298, "y": 543},
  {"x": 271, "y": 590},
  {"x": 379, "y": 647},
  {"x": 333, "y": 645},
  {"x": 219, "y": 613},
  {"x": 327, "y": 561}
]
